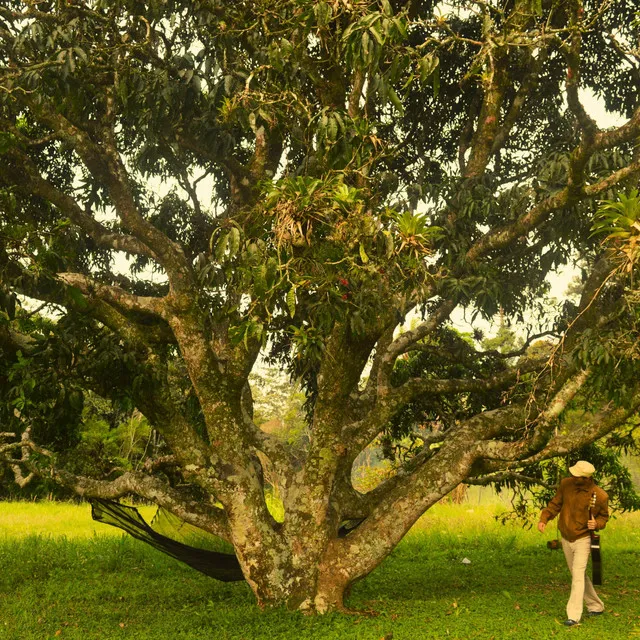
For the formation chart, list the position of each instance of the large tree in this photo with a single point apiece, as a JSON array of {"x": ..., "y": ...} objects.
[{"x": 194, "y": 189}]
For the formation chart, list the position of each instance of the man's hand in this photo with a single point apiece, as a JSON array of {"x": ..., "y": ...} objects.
[
  {"x": 592, "y": 524},
  {"x": 542, "y": 526}
]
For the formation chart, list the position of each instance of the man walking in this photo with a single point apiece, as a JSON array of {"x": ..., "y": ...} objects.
[{"x": 572, "y": 502}]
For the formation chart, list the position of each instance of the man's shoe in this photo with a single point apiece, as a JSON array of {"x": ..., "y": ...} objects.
[
  {"x": 591, "y": 614},
  {"x": 570, "y": 623}
]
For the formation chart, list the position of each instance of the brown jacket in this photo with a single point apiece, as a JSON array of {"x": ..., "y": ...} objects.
[{"x": 572, "y": 503}]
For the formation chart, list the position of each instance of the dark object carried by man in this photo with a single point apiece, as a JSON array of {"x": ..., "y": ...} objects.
[{"x": 596, "y": 560}]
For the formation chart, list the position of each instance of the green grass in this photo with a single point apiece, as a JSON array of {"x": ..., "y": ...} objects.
[
  {"x": 22, "y": 519},
  {"x": 63, "y": 576}
]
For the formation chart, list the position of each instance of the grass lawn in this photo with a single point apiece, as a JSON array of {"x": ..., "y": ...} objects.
[{"x": 63, "y": 576}]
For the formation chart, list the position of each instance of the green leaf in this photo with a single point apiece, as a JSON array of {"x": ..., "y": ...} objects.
[
  {"x": 323, "y": 13},
  {"x": 246, "y": 336},
  {"x": 363, "y": 255},
  {"x": 401, "y": 27},
  {"x": 80, "y": 53},
  {"x": 234, "y": 241},
  {"x": 221, "y": 247},
  {"x": 427, "y": 65},
  {"x": 291, "y": 301},
  {"x": 366, "y": 48},
  {"x": 332, "y": 129},
  {"x": 78, "y": 298},
  {"x": 376, "y": 34},
  {"x": 260, "y": 279},
  {"x": 397, "y": 103}
]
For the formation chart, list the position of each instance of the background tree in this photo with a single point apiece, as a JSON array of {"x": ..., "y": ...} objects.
[{"x": 188, "y": 185}]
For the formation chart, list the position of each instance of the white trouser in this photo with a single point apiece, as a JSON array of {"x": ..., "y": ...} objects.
[{"x": 577, "y": 555}]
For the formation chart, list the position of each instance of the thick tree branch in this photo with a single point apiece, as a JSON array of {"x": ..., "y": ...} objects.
[
  {"x": 483, "y": 140},
  {"x": 355, "y": 96},
  {"x": 12, "y": 341},
  {"x": 572, "y": 54},
  {"x": 374, "y": 399},
  {"x": 178, "y": 502},
  {"x": 136, "y": 333},
  {"x": 383, "y": 343},
  {"x": 627, "y": 132},
  {"x": 405, "y": 340},
  {"x": 545, "y": 423},
  {"x": 344, "y": 361},
  {"x": 193, "y": 511},
  {"x": 115, "y": 296},
  {"x": 466, "y": 133},
  {"x": 490, "y": 135},
  {"x": 567, "y": 380},
  {"x": 631, "y": 171},
  {"x": 363, "y": 432}
]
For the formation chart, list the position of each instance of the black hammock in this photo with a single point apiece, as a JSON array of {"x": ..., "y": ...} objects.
[{"x": 215, "y": 564}]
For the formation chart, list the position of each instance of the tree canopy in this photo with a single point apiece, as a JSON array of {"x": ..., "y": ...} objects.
[{"x": 193, "y": 190}]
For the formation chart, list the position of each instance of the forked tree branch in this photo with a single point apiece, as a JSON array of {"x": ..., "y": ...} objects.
[
  {"x": 106, "y": 166},
  {"x": 58, "y": 293},
  {"x": 26, "y": 178}
]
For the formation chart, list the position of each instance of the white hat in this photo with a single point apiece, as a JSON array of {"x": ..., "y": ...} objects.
[{"x": 582, "y": 469}]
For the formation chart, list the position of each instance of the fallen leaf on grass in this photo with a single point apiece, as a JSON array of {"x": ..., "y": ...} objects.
[
  {"x": 58, "y": 632},
  {"x": 517, "y": 606},
  {"x": 122, "y": 625}
]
